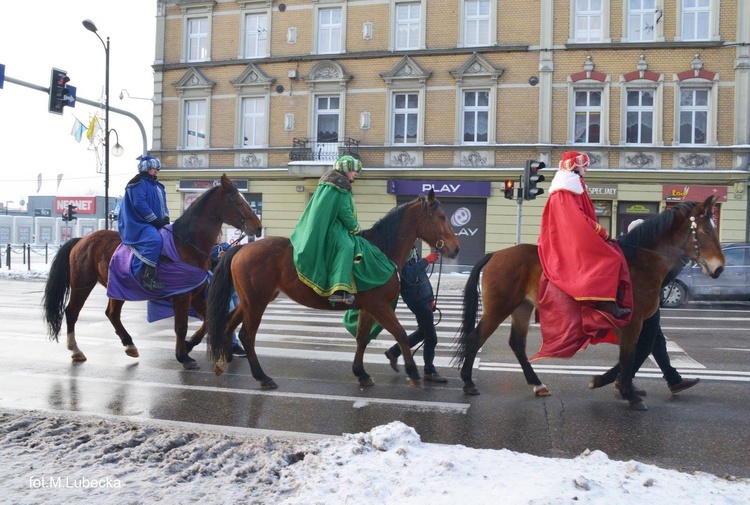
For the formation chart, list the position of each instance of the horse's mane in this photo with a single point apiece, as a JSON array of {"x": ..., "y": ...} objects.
[
  {"x": 384, "y": 232},
  {"x": 645, "y": 234},
  {"x": 185, "y": 226}
]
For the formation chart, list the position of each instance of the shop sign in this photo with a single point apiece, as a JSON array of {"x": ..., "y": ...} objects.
[
  {"x": 204, "y": 184},
  {"x": 688, "y": 193},
  {"x": 441, "y": 188}
]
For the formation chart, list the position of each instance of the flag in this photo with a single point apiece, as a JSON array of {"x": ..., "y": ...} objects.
[
  {"x": 77, "y": 130},
  {"x": 38, "y": 182},
  {"x": 59, "y": 179},
  {"x": 93, "y": 125}
]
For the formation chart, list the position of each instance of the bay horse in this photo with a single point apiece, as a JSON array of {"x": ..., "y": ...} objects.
[
  {"x": 81, "y": 263},
  {"x": 262, "y": 269},
  {"x": 510, "y": 283}
]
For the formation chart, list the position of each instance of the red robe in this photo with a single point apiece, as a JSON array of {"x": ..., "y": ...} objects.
[{"x": 580, "y": 269}]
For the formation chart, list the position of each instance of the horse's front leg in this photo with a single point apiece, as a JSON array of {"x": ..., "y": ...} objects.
[
  {"x": 385, "y": 315},
  {"x": 181, "y": 304},
  {"x": 113, "y": 312},
  {"x": 198, "y": 303}
]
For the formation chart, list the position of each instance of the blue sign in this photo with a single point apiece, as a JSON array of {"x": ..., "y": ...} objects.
[
  {"x": 2, "y": 75},
  {"x": 70, "y": 97},
  {"x": 442, "y": 188}
]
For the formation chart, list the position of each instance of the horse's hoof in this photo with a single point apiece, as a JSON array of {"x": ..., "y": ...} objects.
[
  {"x": 595, "y": 382},
  {"x": 218, "y": 369},
  {"x": 78, "y": 357},
  {"x": 366, "y": 382},
  {"x": 639, "y": 405},
  {"x": 268, "y": 384},
  {"x": 131, "y": 351},
  {"x": 542, "y": 390},
  {"x": 191, "y": 365},
  {"x": 471, "y": 390}
]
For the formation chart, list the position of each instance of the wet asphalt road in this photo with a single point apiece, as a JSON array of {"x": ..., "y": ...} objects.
[{"x": 309, "y": 355}]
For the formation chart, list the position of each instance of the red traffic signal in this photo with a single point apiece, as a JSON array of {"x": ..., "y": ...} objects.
[
  {"x": 508, "y": 189},
  {"x": 60, "y": 94}
]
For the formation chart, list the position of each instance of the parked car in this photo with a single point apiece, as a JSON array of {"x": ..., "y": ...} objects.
[{"x": 732, "y": 284}]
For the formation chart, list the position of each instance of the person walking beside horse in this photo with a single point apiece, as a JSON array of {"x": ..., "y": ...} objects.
[
  {"x": 585, "y": 289},
  {"x": 142, "y": 212}
]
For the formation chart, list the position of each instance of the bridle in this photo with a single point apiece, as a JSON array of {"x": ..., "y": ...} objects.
[
  {"x": 439, "y": 243},
  {"x": 243, "y": 217}
]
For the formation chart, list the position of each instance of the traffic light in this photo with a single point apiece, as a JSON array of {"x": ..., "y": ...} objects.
[
  {"x": 60, "y": 94},
  {"x": 508, "y": 188},
  {"x": 531, "y": 177},
  {"x": 71, "y": 212}
]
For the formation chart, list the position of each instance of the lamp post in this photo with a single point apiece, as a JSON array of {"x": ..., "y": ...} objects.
[
  {"x": 6, "y": 206},
  {"x": 90, "y": 26}
]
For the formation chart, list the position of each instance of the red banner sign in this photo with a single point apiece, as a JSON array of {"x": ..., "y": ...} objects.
[
  {"x": 686, "y": 193},
  {"x": 85, "y": 204}
]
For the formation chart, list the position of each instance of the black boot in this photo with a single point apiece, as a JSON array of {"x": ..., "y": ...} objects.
[
  {"x": 149, "y": 280},
  {"x": 612, "y": 308}
]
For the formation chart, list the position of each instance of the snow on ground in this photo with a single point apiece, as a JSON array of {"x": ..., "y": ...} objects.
[{"x": 50, "y": 457}]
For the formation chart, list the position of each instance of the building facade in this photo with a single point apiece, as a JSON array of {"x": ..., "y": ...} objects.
[{"x": 456, "y": 95}]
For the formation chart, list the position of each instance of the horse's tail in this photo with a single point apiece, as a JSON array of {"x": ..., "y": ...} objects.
[
  {"x": 470, "y": 308},
  {"x": 57, "y": 289},
  {"x": 217, "y": 316}
]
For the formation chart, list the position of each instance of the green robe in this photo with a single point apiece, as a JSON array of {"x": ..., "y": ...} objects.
[{"x": 329, "y": 255}]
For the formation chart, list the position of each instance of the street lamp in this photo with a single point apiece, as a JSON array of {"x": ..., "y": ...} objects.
[
  {"x": 6, "y": 206},
  {"x": 124, "y": 92},
  {"x": 90, "y": 26}
]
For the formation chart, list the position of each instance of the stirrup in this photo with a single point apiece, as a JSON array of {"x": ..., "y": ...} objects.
[
  {"x": 151, "y": 283},
  {"x": 341, "y": 297}
]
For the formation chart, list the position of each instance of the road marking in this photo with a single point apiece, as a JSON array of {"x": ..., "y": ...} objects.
[{"x": 357, "y": 402}]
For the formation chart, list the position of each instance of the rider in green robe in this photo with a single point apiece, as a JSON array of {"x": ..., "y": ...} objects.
[{"x": 329, "y": 254}]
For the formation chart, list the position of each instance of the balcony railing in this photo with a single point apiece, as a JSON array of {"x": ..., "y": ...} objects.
[{"x": 313, "y": 150}]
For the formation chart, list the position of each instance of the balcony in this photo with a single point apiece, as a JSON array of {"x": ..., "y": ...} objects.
[{"x": 322, "y": 152}]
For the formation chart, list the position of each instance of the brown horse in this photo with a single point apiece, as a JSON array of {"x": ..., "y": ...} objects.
[
  {"x": 264, "y": 268},
  {"x": 510, "y": 284},
  {"x": 81, "y": 263}
]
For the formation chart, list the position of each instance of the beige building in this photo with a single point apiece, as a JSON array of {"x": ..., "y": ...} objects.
[{"x": 457, "y": 95}]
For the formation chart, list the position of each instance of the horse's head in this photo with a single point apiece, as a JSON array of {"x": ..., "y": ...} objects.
[
  {"x": 435, "y": 228},
  {"x": 702, "y": 245},
  {"x": 239, "y": 213}
]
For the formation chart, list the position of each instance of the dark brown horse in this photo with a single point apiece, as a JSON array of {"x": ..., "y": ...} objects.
[
  {"x": 510, "y": 282},
  {"x": 262, "y": 269},
  {"x": 81, "y": 263}
]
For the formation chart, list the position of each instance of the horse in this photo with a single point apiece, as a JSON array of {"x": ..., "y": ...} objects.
[
  {"x": 262, "y": 269},
  {"x": 510, "y": 283},
  {"x": 81, "y": 263}
]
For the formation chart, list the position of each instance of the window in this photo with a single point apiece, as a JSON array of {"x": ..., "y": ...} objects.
[
  {"x": 327, "y": 118},
  {"x": 588, "y": 117},
  {"x": 329, "y": 30},
  {"x": 477, "y": 23},
  {"x": 195, "y": 123},
  {"x": 693, "y": 116},
  {"x": 640, "y": 117},
  {"x": 408, "y": 26},
  {"x": 641, "y": 21},
  {"x": 197, "y": 39},
  {"x": 588, "y": 21},
  {"x": 476, "y": 113},
  {"x": 253, "y": 122},
  {"x": 256, "y": 35},
  {"x": 696, "y": 17},
  {"x": 405, "y": 118}
]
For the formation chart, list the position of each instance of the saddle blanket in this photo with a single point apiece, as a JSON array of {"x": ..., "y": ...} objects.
[{"x": 178, "y": 277}]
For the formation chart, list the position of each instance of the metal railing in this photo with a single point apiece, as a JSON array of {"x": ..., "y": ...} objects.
[
  {"x": 314, "y": 150},
  {"x": 43, "y": 252}
]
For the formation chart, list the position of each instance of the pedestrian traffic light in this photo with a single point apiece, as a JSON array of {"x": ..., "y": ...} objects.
[
  {"x": 60, "y": 94},
  {"x": 530, "y": 179},
  {"x": 508, "y": 188},
  {"x": 71, "y": 212}
]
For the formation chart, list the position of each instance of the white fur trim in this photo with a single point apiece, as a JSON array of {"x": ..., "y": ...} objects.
[{"x": 565, "y": 179}]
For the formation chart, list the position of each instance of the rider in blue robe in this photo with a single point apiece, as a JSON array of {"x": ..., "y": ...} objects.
[{"x": 142, "y": 212}]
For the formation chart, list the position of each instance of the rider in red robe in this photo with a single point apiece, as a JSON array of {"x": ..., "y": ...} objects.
[{"x": 585, "y": 288}]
